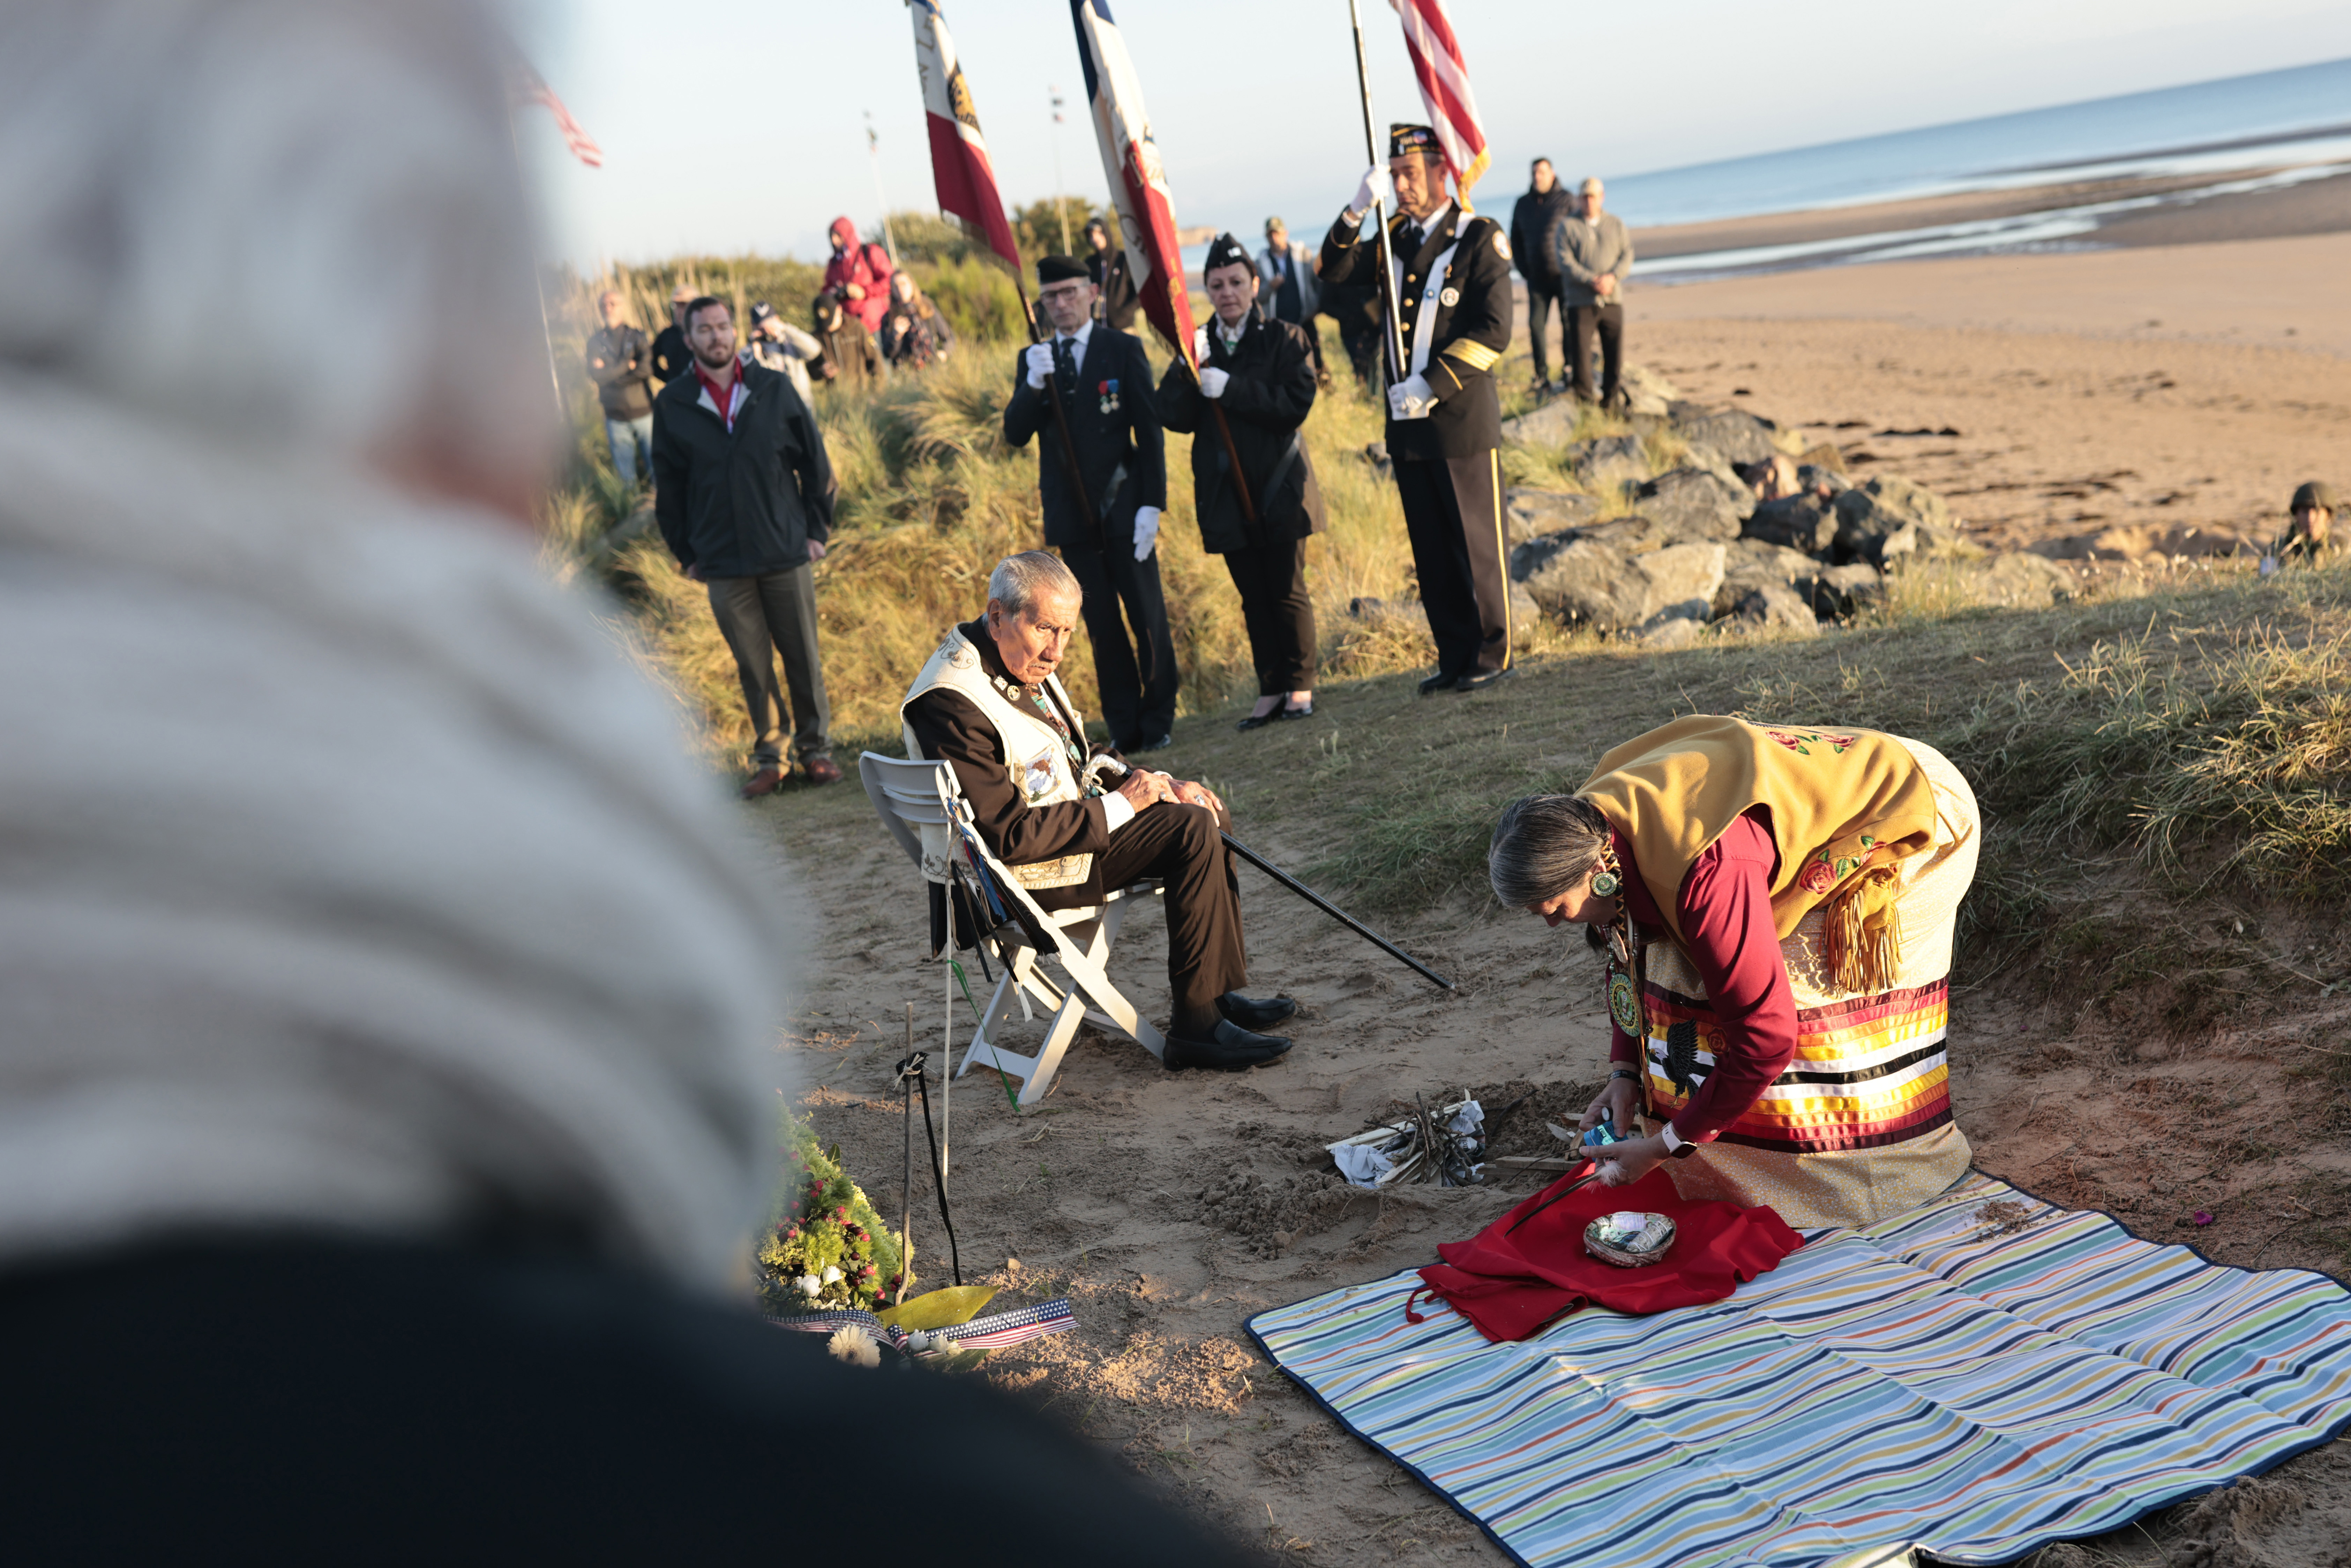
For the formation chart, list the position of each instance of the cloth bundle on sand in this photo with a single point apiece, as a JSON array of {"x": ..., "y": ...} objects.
[
  {"x": 1530, "y": 1266},
  {"x": 1980, "y": 1376}
]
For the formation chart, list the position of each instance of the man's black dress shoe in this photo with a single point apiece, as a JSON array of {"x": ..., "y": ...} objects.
[
  {"x": 1439, "y": 682},
  {"x": 1230, "y": 1049},
  {"x": 1255, "y": 1012},
  {"x": 1151, "y": 743},
  {"x": 1474, "y": 680}
]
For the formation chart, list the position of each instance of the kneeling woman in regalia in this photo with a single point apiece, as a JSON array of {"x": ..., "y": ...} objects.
[{"x": 1776, "y": 908}]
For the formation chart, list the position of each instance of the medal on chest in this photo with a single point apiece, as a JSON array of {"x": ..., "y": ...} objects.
[{"x": 1106, "y": 392}]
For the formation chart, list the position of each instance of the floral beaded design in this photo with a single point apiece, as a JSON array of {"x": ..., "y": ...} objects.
[
  {"x": 1824, "y": 869},
  {"x": 1801, "y": 741}
]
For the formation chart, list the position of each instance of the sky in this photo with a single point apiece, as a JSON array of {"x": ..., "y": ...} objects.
[{"x": 730, "y": 126}]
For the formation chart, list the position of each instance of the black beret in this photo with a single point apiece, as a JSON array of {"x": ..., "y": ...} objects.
[
  {"x": 2316, "y": 493},
  {"x": 1420, "y": 139},
  {"x": 1061, "y": 269},
  {"x": 1224, "y": 251}
]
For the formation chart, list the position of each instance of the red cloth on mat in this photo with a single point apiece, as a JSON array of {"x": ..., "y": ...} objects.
[{"x": 1510, "y": 1284}]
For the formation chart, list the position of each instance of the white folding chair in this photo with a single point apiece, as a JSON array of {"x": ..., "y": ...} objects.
[{"x": 910, "y": 795}]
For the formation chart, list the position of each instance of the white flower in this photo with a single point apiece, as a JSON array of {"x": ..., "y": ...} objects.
[
  {"x": 810, "y": 1284},
  {"x": 854, "y": 1346},
  {"x": 831, "y": 1275}
]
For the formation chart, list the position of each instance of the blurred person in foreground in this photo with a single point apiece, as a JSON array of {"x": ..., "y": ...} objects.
[
  {"x": 743, "y": 491},
  {"x": 913, "y": 334},
  {"x": 672, "y": 358},
  {"x": 849, "y": 360},
  {"x": 620, "y": 364},
  {"x": 2309, "y": 539},
  {"x": 1534, "y": 217},
  {"x": 1290, "y": 289},
  {"x": 1261, "y": 376},
  {"x": 389, "y": 1082},
  {"x": 1106, "y": 523},
  {"x": 1593, "y": 255},
  {"x": 784, "y": 347}
]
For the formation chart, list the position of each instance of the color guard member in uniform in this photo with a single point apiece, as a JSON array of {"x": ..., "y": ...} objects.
[{"x": 1445, "y": 418}]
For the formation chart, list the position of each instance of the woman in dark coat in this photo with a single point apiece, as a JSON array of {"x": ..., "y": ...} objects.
[{"x": 1260, "y": 374}]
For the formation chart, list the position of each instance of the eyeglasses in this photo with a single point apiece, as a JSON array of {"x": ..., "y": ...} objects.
[{"x": 1062, "y": 291}]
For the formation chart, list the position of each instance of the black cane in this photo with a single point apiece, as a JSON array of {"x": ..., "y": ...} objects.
[{"x": 1333, "y": 911}]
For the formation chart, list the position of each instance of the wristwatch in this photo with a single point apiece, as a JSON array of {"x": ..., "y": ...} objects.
[{"x": 1677, "y": 1147}]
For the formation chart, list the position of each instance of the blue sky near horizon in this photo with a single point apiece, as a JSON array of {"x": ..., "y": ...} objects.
[{"x": 731, "y": 127}]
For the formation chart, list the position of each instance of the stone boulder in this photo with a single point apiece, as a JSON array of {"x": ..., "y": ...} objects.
[
  {"x": 2020, "y": 581},
  {"x": 1549, "y": 425},
  {"x": 1740, "y": 436},
  {"x": 1773, "y": 607},
  {"x": 1840, "y": 593},
  {"x": 1608, "y": 460},
  {"x": 1694, "y": 505},
  {"x": 1664, "y": 633},
  {"x": 1647, "y": 393},
  {"x": 1751, "y": 564},
  {"x": 1792, "y": 522},
  {"x": 1634, "y": 535},
  {"x": 1580, "y": 583},
  {"x": 1682, "y": 580},
  {"x": 1529, "y": 514},
  {"x": 1698, "y": 454},
  {"x": 1889, "y": 517},
  {"x": 1379, "y": 612}
]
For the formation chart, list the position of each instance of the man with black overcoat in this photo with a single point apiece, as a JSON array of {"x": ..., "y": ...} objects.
[
  {"x": 1261, "y": 373},
  {"x": 1445, "y": 417},
  {"x": 1104, "y": 520}
]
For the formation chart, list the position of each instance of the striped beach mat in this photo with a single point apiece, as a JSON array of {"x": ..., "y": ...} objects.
[{"x": 1980, "y": 1378}]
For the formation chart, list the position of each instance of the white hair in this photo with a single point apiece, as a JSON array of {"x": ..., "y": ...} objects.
[
  {"x": 1019, "y": 581},
  {"x": 284, "y": 221}
]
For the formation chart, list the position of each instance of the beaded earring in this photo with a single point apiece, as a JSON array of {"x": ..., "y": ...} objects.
[{"x": 1609, "y": 880}]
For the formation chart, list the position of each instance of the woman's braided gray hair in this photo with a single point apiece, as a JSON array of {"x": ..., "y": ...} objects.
[{"x": 1543, "y": 845}]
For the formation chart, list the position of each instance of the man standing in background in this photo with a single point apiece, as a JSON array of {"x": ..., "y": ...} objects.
[
  {"x": 1288, "y": 290},
  {"x": 1534, "y": 220},
  {"x": 672, "y": 358},
  {"x": 780, "y": 346},
  {"x": 1445, "y": 418},
  {"x": 1595, "y": 256},
  {"x": 744, "y": 497},
  {"x": 619, "y": 363},
  {"x": 1105, "y": 518},
  {"x": 1117, "y": 299}
]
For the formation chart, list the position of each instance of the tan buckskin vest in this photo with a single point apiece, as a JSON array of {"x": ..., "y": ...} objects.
[{"x": 1037, "y": 761}]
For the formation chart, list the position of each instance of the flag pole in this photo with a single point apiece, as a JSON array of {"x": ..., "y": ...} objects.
[
  {"x": 538, "y": 285},
  {"x": 1395, "y": 336},
  {"x": 1225, "y": 434}
]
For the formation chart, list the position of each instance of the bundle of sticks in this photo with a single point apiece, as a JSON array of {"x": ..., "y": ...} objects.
[{"x": 1446, "y": 1145}]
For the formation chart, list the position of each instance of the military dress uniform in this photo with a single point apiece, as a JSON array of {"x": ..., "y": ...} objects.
[{"x": 1454, "y": 291}]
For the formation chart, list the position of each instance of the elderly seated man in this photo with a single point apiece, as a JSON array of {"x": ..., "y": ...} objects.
[{"x": 987, "y": 702}]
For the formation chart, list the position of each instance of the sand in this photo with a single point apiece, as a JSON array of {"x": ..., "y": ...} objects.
[{"x": 1170, "y": 1207}]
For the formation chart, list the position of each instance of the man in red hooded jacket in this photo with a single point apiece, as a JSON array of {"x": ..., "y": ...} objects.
[{"x": 860, "y": 275}]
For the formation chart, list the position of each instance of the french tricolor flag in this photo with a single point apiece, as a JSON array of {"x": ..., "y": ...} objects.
[
  {"x": 959, "y": 165},
  {"x": 1138, "y": 184}
]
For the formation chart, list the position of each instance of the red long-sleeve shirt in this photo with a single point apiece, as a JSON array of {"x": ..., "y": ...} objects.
[{"x": 1725, "y": 909}]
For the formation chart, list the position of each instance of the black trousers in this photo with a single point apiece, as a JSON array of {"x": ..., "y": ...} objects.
[
  {"x": 1453, "y": 514},
  {"x": 1280, "y": 617},
  {"x": 1606, "y": 323},
  {"x": 1541, "y": 297},
  {"x": 1137, "y": 672},
  {"x": 761, "y": 617},
  {"x": 1205, "y": 956}
]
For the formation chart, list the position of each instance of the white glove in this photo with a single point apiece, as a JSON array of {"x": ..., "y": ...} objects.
[
  {"x": 1200, "y": 345},
  {"x": 1212, "y": 380},
  {"x": 1146, "y": 530},
  {"x": 1376, "y": 187},
  {"x": 1411, "y": 398},
  {"x": 1040, "y": 364}
]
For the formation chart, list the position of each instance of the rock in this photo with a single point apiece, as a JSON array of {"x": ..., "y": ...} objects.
[
  {"x": 1525, "y": 616},
  {"x": 1529, "y": 514},
  {"x": 1648, "y": 391},
  {"x": 1682, "y": 580},
  {"x": 1635, "y": 534},
  {"x": 1750, "y": 564},
  {"x": 1581, "y": 582},
  {"x": 1608, "y": 460},
  {"x": 1740, "y": 436},
  {"x": 1379, "y": 611},
  {"x": 2022, "y": 580},
  {"x": 1694, "y": 505},
  {"x": 1667, "y": 632},
  {"x": 1792, "y": 522},
  {"x": 1825, "y": 458},
  {"x": 1887, "y": 551},
  {"x": 1774, "y": 607},
  {"x": 1867, "y": 516},
  {"x": 1549, "y": 425},
  {"x": 1702, "y": 456},
  {"x": 1841, "y": 591},
  {"x": 1910, "y": 503}
]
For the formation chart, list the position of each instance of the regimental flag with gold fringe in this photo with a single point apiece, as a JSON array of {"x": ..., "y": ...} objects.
[
  {"x": 1444, "y": 76},
  {"x": 960, "y": 169},
  {"x": 1138, "y": 184}
]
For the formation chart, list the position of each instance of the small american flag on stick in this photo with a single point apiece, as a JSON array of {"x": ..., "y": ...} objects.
[
  {"x": 1444, "y": 76},
  {"x": 525, "y": 86}
]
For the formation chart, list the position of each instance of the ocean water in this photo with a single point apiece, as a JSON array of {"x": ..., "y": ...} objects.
[{"x": 2236, "y": 123}]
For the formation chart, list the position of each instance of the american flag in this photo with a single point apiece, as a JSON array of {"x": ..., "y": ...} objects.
[
  {"x": 525, "y": 86},
  {"x": 1444, "y": 76}
]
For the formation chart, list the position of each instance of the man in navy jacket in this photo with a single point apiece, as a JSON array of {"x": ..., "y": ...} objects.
[
  {"x": 744, "y": 497},
  {"x": 1105, "y": 519}
]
